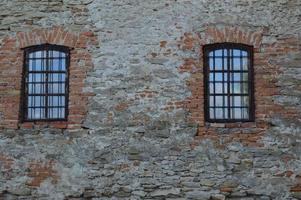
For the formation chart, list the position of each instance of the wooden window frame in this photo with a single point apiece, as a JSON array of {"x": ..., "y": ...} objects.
[
  {"x": 24, "y": 96},
  {"x": 216, "y": 46}
]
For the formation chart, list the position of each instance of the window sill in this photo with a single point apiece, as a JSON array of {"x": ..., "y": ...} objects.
[
  {"x": 42, "y": 124},
  {"x": 231, "y": 124}
]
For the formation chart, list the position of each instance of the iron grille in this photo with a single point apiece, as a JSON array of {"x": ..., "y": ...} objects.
[
  {"x": 45, "y": 83},
  {"x": 228, "y": 70}
]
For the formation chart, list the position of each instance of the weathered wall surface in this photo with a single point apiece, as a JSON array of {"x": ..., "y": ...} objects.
[{"x": 137, "y": 130}]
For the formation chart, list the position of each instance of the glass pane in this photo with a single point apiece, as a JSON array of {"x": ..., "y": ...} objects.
[
  {"x": 245, "y": 101},
  {"x": 218, "y": 88},
  {"x": 36, "y": 88},
  {"x": 211, "y": 114},
  {"x": 219, "y": 113},
  {"x": 235, "y": 77},
  {"x": 235, "y": 88},
  {"x": 218, "y": 64},
  {"x": 211, "y": 64},
  {"x": 36, "y": 77},
  {"x": 225, "y": 88},
  {"x": 245, "y": 76},
  {"x": 237, "y": 101},
  {"x": 211, "y": 101},
  {"x": 218, "y": 76},
  {"x": 225, "y": 113},
  {"x": 245, "y": 88},
  {"x": 225, "y": 64},
  {"x": 244, "y": 53},
  {"x": 236, "y": 64},
  {"x": 56, "y": 113},
  {"x": 56, "y": 77},
  {"x": 56, "y": 101},
  {"x": 219, "y": 52},
  {"x": 37, "y": 65},
  {"x": 57, "y": 64},
  {"x": 236, "y": 52},
  {"x": 245, "y": 64},
  {"x": 36, "y": 101},
  {"x": 56, "y": 54},
  {"x": 235, "y": 113},
  {"x": 37, "y": 54},
  {"x": 245, "y": 113},
  {"x": 219, "y": 101},
  {"x": 36, "y": 113},
  {"x": 56, "y": 88},
  {"x": 211, "y": 88}
]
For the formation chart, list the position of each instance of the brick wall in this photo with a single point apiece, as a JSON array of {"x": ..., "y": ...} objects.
[
  {"x": 12, "y": 65},
  {"x": 136, "y": 128}
]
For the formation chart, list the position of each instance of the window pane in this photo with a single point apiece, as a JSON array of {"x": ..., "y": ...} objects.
[
  {"x": 219, "y": 113},
  {"x": 218, "y": 52},
  {"x": 236, "y": 52},
  {"x": 245, "y": 88},
  {"x": 235, "y": 88},
  {"x": 218, "y": 64},
  {"x": 45, "y": 67},
  {"x": 236, "y": 64},
  {"x": 36, "y": 77},
  {"x": 245, "y": 64},
  {"x": 245, "y": 76},
  {"x": 56, "y": 113},
  {"x": 211, "y": 88},
  {"x": 211, "y": 64},
  {"x": 57, "y": 54},
  {"x": 37, "y": 64},
  {"x": 36, "y": 88},
  {"x": 236, "y": 113},
  {"x": 57, "y": 65},
  {"x": 211, "y": 100},
  {"x": 56, "y": 101},
  {"x": 56, "y": 88},
  {"x": 245, "y": 113},
  {"x": 235, "y": 77},
  {"x": 218, "y": 88},
  {"x": 228, "y": 81},
  {"x": 36, "y": 101},
  {"x": 218, "y": 76},
  {"x": 244, "y": 53},
  {"x": 211, "y": 113},
  {"x": 36, "y": 113},
  {"x": 56, "y": 77},
  {"x": 38, "y": 54}
]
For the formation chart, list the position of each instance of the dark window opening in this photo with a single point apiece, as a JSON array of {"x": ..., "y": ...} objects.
[
  {"x": 45, "y": 83},
  {"x": 228, "y": 70}
]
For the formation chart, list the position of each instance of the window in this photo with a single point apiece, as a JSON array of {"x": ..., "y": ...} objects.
[
  {"x": 45, "y": 83},
  {"x": 228, "y": 80}
]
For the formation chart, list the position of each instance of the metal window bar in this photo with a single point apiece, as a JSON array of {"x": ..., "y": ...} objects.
[
  {"x": 237, "y": 108},
  {"x": 45, "y": 90}
]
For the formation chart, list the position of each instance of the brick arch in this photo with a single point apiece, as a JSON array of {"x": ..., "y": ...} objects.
[
  {"x": 232, "y": 35},
  {"x": 11, "y": 65},
  {"x": 249, "y": 133},
  {"x": 56, "y": 35}
]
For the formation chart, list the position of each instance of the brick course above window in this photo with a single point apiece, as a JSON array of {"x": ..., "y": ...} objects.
[{"x": 11, "y": 65}]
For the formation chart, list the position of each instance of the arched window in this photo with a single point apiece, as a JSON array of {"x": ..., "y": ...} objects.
[
  {"x": 228, "y": 76},
  {"x": 45, "y": 83}
]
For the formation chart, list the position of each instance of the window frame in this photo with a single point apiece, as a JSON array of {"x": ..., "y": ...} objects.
[
  {"x": 206, "y": 69},
  {"x": 24, "y": 95}
]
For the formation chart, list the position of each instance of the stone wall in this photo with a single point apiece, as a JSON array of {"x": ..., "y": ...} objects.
[{"x": 136, "y": 128}]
